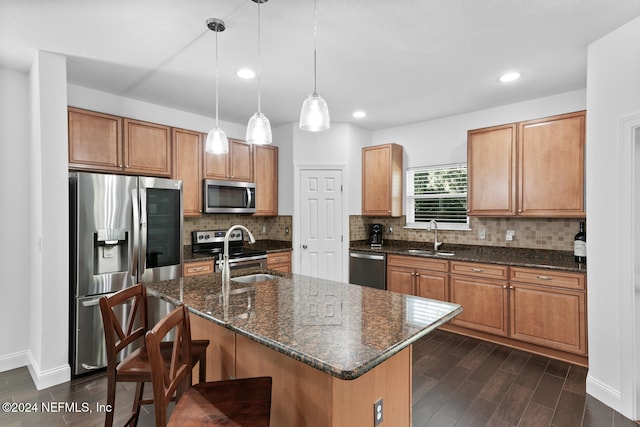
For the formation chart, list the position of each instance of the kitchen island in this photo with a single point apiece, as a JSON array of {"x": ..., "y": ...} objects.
[{"x": 332, "y": 349}]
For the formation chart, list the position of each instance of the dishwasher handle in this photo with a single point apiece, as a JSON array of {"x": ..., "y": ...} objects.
[{"x": 366, "y": 256}]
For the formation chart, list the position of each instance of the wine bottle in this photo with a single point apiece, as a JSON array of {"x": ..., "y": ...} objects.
[{"x": 580, "y": 246}]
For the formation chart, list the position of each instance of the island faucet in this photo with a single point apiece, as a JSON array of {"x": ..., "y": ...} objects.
[
  {"x": 226, "y": 270},
  {"x": 433, "y": 225}
]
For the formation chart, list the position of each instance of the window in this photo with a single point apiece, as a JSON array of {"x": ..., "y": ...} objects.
[{"x": 437, "y": 193}]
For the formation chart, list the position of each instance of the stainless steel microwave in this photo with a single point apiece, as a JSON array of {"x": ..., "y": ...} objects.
[{"x": 229, "y": 196}]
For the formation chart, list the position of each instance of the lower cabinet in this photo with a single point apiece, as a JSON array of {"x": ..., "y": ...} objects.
[
  {"x": 279, "y": 261},
  {"x": 424, "y": 277},
  {"x": 539, "y": 310}
]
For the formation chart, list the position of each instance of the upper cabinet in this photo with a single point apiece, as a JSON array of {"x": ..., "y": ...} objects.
[
  {"x": 265, "y": 172},
  {"x": 533, "y": 168},
  {"x": 102, "y": 142},
  {"x": 187, "y": 161},
  {"x": 236, "y": 165},
  {"x": 382, "y": 180},
  {"x": 95, "y": 141}
]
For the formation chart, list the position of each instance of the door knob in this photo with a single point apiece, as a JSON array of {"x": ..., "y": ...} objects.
[{"x": 304, "y": 246}]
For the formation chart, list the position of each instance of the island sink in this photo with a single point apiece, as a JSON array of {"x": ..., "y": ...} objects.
[{"x": 254, "y": 278}]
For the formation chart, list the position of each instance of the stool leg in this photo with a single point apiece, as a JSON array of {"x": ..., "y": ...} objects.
[
  {"x": 111, "y": 402},
  {"x": 135, "y": 410}
]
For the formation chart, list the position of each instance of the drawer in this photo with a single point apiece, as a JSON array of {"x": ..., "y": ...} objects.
[
  {"x": 480, "y": 270},
  {"x": 420, "y": 263},
  {"x": 278, "y": 257},
  {"x": 195, "y": 268},
  {"x": 554, "y": 278}
]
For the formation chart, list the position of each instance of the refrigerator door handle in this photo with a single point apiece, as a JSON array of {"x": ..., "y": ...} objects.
[
  {"x": 136, "y": 233},
  {"x": 143, "y": 229},
  {"x": 91, "y": 303}
]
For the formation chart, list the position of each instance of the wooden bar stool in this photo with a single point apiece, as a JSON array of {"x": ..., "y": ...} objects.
[
  {"x": 135, "y": 367},
  {"x": 242, "y": 402}
]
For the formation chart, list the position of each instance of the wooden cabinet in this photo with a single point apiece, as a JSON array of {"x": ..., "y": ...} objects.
[
  {"x": 236, "y": 165},
  {"x": 382, "y": 180},
  {"x": 549, "y": 308},
  {"x": 551, "y": 166},
  {"x": 95, "y": 141},
  {"x": 424, "y": 277},
  {"x": 147, "y": 148},
  {"x": 187, "y": 161},
  {"x": 265, "y": 173},
  {"x": 102, "y": 142},
  {"x": 279, "y": 261},
  {"x": 482, "y": 291},
  {"x": 533, "y": 168},
  {"x": 196, "y": 268}
]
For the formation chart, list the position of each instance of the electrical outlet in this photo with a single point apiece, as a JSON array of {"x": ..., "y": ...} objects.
[
  {"x": 377, "y": 413},
  {"x": 264, "y": 229},
  {"x": 390, "y": 230},
  {"x": 510, "y": 234},
  {"x": 482, "y": 233}
]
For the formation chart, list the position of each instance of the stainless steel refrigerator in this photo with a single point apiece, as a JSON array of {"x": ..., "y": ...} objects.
[{"x": 123, "y": 230}]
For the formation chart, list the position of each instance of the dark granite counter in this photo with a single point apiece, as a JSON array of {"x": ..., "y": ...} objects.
[
  {"x": 534, "y": 258},
  {"x": 261, "y": 245},
  {"x": 341, "y": 329}
]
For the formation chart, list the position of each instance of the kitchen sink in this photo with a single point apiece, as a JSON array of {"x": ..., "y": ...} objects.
[{"x": 254, "y": 278}]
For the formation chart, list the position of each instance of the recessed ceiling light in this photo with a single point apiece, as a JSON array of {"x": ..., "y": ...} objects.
[
  {"x": 359, "y": 114},
  {"x": 509, "y": 77},
  {"x": 246, "y": 73}
]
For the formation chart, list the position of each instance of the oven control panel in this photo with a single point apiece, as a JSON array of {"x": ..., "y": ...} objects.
[{"x": 215, "y": 236}]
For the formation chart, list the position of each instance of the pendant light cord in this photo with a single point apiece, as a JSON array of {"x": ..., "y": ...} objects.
[
  {"x": 259, "y": 72},
  {"x": 217, "y": 78},
  {"x": 315, "y": 41}
]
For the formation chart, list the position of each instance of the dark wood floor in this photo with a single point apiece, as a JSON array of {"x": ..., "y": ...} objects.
[{"x": 457, "y": 381}]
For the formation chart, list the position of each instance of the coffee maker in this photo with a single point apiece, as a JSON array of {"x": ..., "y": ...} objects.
[{"x": 375, "y": 236}]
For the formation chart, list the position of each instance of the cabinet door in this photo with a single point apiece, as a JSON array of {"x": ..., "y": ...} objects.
[
  {"x": 95, "y": 141},
  {"x": 147, "y": 148},
  {"x": 554, "y": 318},
  {"x": 551, "y": 166},
  {"x": 400, "y": 279},
  {"x": 431, "y": 285},
  {"x": 216, "y": 166},
  {"x": 265, "y": 172},
  {"x": 382, "y": 180},
  {"x": 187, "y": 160},
  {"x": 484, "y": 304},
  {"x": 491, "y": 168},
  {"x": 241, "y": 161}
]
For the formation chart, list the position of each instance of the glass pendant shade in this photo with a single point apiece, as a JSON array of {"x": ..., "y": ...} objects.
[
  {"x": 314, "y": 115},
  {"x": 217, "y": 142},
  {"x": 259, "y": 130}
]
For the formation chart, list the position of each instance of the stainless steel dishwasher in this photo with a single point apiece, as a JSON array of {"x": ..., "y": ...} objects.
[{"x": 368, "y": 269}]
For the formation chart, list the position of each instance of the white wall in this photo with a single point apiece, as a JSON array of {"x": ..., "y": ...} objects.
[
  {"x": 613, "y": 93},
  {"x": 104, "y": 102},
  {"x": 49, "y": 222},
  {"x": 444, "y": 141},
  {"x": 14, "y": 218}
]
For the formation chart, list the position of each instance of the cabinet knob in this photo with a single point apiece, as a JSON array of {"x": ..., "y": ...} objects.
[
  {"x": 504, "y": 286},
  {"x": 417, "y": 274}
]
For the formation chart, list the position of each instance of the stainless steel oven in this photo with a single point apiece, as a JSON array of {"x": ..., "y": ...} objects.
[{"x": 211, "y": 243}]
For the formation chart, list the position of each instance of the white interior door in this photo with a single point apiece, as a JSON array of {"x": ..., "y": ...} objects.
[{"x": 321, "y": 238}]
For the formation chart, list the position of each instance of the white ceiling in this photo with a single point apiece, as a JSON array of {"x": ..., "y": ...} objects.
[{"x": 402, "y": 61}]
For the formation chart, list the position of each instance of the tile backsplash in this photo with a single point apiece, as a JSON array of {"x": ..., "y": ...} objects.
[
  {"x": 272, "y": 228},
  {"x": 534, "y": 233}
]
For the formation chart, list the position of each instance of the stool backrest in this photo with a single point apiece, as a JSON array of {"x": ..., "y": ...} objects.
[
  {"x": 117, "y": 334},
  {"x": 175, "y": 377}
]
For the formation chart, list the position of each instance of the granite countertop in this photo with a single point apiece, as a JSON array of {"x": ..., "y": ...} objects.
[
  {"x": 533, "y": 258},
  {"x": 261, "y": 245},
  {"x": 341, "y": 329}
]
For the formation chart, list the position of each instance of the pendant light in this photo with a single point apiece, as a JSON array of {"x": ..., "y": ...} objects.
[
  {"x": 314, "y": 115},
  {"x": 217, "y": 142},
  {"x": 259, "y": 128}
]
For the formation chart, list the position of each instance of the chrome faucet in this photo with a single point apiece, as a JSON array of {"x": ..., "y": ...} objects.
[
  {"x": 434, "y": 225},
  {"x": 226, "y": 270}
]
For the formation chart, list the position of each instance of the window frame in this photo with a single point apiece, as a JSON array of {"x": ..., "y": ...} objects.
[{"x": 410, "y": 199}]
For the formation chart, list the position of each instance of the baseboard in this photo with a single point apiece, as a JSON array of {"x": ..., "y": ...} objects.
[
  {"x": 604, "y": 393},
  {"x": 14, "y": 360},
  {"x": 50, "y": 377}
]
